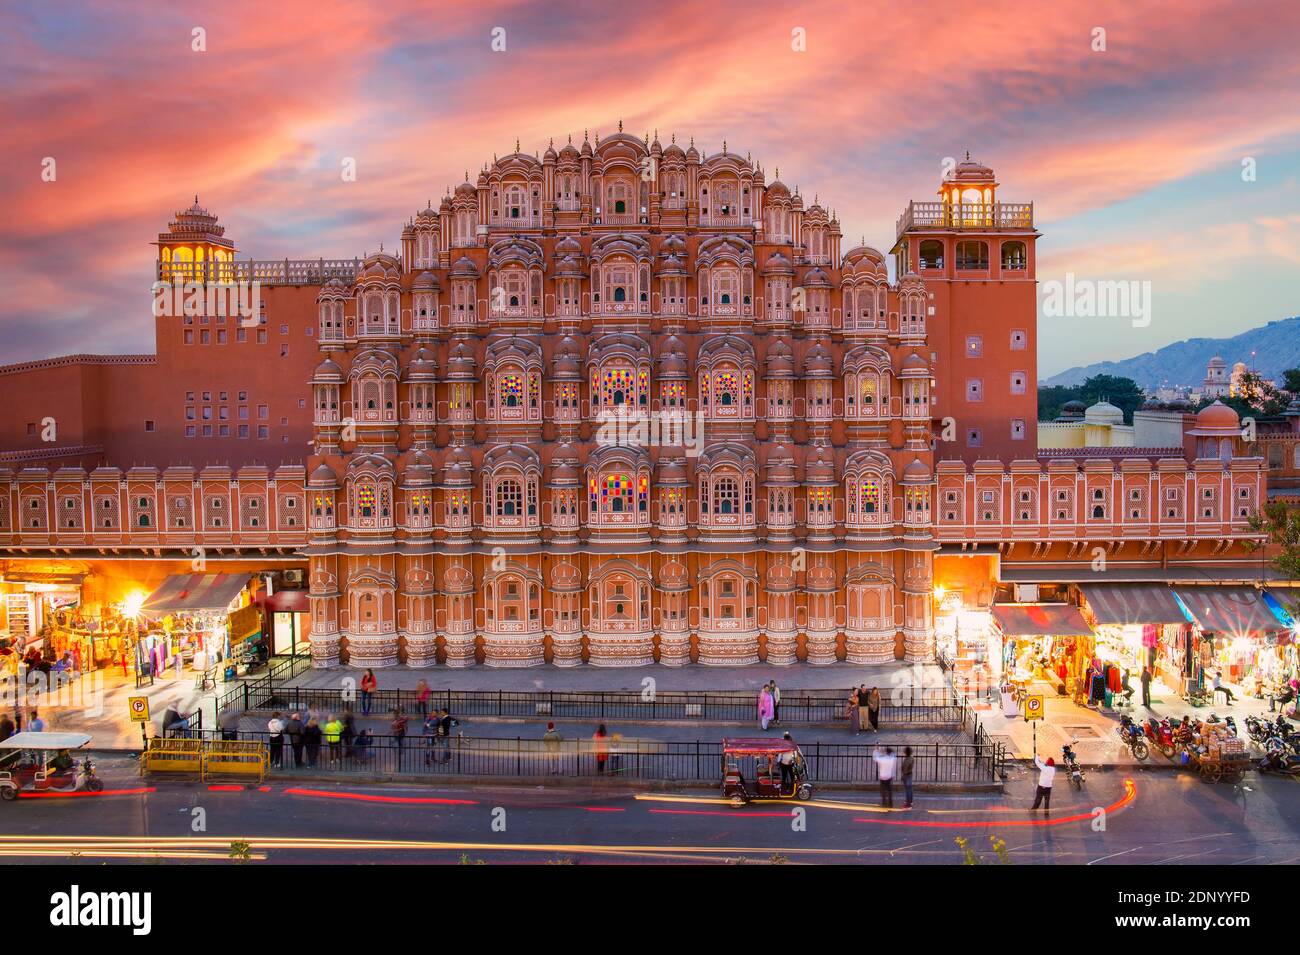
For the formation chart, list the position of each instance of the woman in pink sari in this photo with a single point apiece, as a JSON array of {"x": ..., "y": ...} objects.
[{"x": 766, "y": 708}]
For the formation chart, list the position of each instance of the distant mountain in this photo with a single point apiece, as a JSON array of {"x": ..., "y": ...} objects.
[{"x": 1276, "y": 347}]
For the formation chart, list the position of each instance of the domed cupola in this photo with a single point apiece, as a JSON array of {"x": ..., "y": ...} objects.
[
  {"x": 423, "y": 366},
  {"x": 779, "y": 362},
  {"x": 461, "y": 365},
  {"x": 567, "y": 361},
  {"x": 817, "y": 363}
]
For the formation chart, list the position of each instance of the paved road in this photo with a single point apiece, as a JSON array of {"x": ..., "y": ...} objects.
[{"x": 1158, "y": 818}]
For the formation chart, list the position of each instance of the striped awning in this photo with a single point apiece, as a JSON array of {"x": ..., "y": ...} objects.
[
  {"x": 1132, "y": 603},
  {"x": 1285, "y": 604},
  {"x": 1233, "y": 611},
  {"x": 191, "y": 593},
  {"x": 1040, "y": 620}
]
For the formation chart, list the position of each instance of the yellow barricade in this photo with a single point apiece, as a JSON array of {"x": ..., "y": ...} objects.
[
  {"x": 173, "y": 756},
  {"x": 238, "y": 758}
]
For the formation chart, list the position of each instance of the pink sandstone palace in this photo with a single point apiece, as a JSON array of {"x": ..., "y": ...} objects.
[{"x": 621, "y": 403}]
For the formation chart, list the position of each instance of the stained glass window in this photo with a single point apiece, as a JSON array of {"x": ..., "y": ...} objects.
[{"x": 366, "y": 499}]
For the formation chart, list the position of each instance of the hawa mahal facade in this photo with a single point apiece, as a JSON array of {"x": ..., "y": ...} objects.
[{"x": 621, "y": 403}]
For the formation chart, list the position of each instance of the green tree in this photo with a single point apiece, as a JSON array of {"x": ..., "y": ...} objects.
[
  {"x": 1123, "y": 393},
  {"x": 1052, "y": 397},
  {"x": 1291, "y": 380},
  {"x": 1280, "y": 525}
]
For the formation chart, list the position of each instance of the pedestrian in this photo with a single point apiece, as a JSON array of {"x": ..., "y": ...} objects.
[
  {"x": 422, "y": 698},
  {"x": 864, "y": 707},
  {"x": 363, "y": 745},
  {"x": 1146, "y": 687},
  {"x": 229, "y": 725},
  {"x": 397, "y": 729},
  {"x": 6, "y": 727},
  {"x": 368, "y": 686},
  {"x": 333, "y": 730},
  {"x": 765, "y": 708},
  {"x": 349, "y": 731},
  {"x": 445, "y": 723},
  {"x": 600, "y": 747},
  {"x": 34, "y": 723},
  {"x": 431, "y": 736},
  {"x": 852, "y": 709},
  {"x": 886, "y": 767},
  {"x": 1046, "y": 773},
  {"x": 275, "y": 727},
  {"x": 551, "y": 741},
  {"x": 906, "y": 769},
  {"x": 776, "y": 701},
  {"x": 786, "y": 762},
  {"x": 873, "y": 709},
  {"x": 311, "y": 738},
  {"x": 293, "y": 729}
]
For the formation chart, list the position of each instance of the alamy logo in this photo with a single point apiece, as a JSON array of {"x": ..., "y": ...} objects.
[
  {"x": 77, "y": 908},
  {"x": 1086, "y": 298}
]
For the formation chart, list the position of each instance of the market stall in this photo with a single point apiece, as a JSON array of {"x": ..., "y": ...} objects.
[
  {"x": 188, "y": 623},
  {"x": 1047, "y": 643},
  {"x": 1233, "y": 632},
  {"x": 1135, "y": 627}
]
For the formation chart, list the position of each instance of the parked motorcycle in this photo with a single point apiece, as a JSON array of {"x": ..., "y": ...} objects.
[
  {"x": 1161, "y": 735},
  {"x": 1071, "y": 765},
  {"x": 1133, "y": 737},
  {"x": 1279, "y": 761}
]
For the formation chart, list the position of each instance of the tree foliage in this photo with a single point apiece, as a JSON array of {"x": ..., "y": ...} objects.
[
  {"x": 1123, "y": 393},
  {"x": 1280, "y": 524}
]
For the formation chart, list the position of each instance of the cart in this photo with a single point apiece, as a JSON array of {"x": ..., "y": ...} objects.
[{"x": 1216, "y": 753}]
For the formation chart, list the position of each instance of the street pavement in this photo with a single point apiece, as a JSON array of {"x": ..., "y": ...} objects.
[{"x": 1134, "y": 818}]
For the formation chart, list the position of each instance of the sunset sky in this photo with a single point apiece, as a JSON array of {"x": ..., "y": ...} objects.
[{"x": 1132, "y": 156}]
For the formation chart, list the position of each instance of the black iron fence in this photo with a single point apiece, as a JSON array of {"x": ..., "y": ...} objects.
[
  {"x": 914, "y": 706},
  {"x": 611, "y": 758}
]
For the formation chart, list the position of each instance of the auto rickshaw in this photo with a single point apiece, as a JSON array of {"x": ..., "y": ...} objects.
[
  {"x": 43, "y": 762},
  {"x": 761, "y": 760}
]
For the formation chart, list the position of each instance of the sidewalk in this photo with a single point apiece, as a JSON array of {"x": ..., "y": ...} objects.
[
  {"x": 803, "y": 733},
  {"x": 1094, "y": 729},
  {"x": 802, "y": 676}
]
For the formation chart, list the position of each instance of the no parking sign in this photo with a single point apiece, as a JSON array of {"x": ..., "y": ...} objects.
[{"x": 139, "y": 708}]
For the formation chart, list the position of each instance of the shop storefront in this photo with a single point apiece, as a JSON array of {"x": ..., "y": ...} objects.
[
  {"x": 1136, "y": 626},
  {"x": 187, "y": 624},
  {"x": 1047, "y": 643},
  {"x": 34, "y": 603},
  {"x": 1233, "y": 632}
]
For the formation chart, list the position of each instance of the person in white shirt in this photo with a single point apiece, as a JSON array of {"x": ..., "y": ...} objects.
[
  {"x": 276, "y": 730},
  {"x": 886, "y": 767},
  {"x": 1046, "y": 774}
]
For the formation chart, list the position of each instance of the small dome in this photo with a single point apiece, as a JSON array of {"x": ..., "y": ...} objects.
[
  {"x": 916, "y": 472},
  {"x": 1103, "y": 412},
  {"x": 1217, "y": 417},
  {"x": 328, "y": 370},
  {"x": 818, "y": 361},
  {"x": 323, "y": 476},
  {"x": 466, "y": 189},
  {"x": 915, "y": 363},
  {"x": 820, "y": 468},
  {"x": 780, "y": 359},
  {"x": 465, "y": 268},
  {"x": 425, "y": 281},
  {"x": 968, "y": 170}
]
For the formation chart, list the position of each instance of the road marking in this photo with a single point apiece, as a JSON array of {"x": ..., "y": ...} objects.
[
  {"x": 1130, "y": 793},
  {"x": 369, "y": 797},
  {"x": 1114, "y": 854}
]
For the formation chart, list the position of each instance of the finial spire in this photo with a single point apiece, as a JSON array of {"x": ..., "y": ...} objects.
[
  {"x": 516, "y": 145},
  {"x": 620, "y": 125},
  {"x": 724, "y": 147}
]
